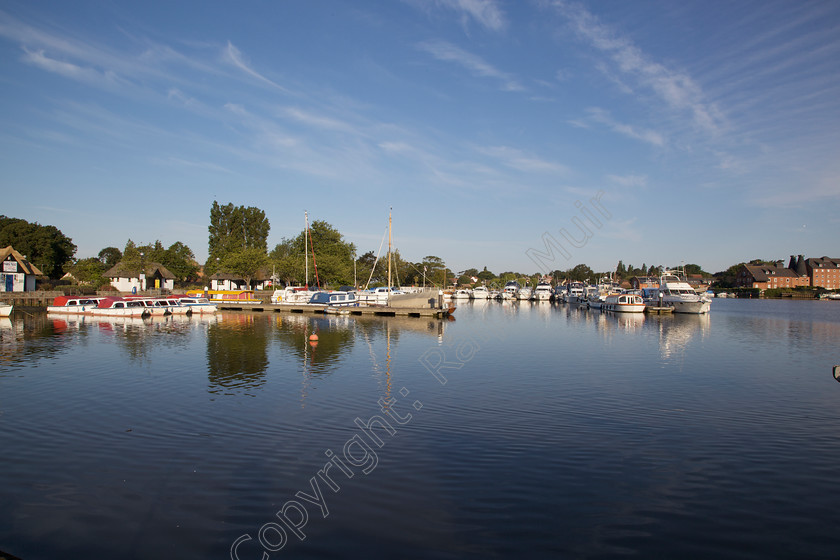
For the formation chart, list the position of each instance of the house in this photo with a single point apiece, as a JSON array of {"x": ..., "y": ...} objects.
[
  {"x": 228, "y": 281},
  {"x": 131, "y": 277},
  {"x": 769, "y": 276},
  {"x": 16, "y": 273},
  {"x": 823, "y": 272}
]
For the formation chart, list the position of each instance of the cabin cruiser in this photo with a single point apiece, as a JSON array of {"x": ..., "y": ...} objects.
[
  {"x": 293, "y": 295},
  {"x": 481, "y": 292},
  {"x": 461, "y": 294},
  {"x": 199, "y": 304},
  {"x": 524, "y": 294},
  {"x": 542, "y": 292},
  {"x": 74, "y": 304},
  {"x": 377, "y": 296},
  {"x": 675, "y": 292},
  {"x": 575, "y": 292},
  {"x": 334, "y": 299},
  {"x": 510, "y": 290},
  {"x": 120, "y": 307},
  {"x": 624, "y": 303}
]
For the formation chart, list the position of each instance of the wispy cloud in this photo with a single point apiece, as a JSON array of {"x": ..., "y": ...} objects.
[
  {"x": 486, "y": 13},
  {"x": 676, "y": 88},
  {"x": 447, "y": 52},
  {"x": 646, "y": 135},
  {"x": 519, "y": 160},
  {"x": 629, "y": 180},
  {"x": 233, "y": 56},
  {"x": 318, "y": 121}
]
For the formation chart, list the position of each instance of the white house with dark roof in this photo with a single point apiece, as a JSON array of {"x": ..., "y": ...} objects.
[
  {"x": 126, "y": 277},
  {"x": 16, "y": 273}
]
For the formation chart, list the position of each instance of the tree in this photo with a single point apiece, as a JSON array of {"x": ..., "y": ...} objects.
[
  {"x": 333, "y": 255},
  {"x": 620, "y": 270},
  {"x": 695, "y": 269},
  {"x": 89, "y": 271},
  {"x": 486, "y": 275},
  {"x": 110, "y": 256},
  {"x": 245, "y": 263},
  {"x": 233, "y": 228},
  {"x": 44, "y": 246},
  {"x": 180, "y": 261},
  {"x": 436, "y": 271},
  {"x": 580, "y": 273}
]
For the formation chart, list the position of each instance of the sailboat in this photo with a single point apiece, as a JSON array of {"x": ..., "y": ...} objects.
[
  {"x": 381, "y": 295},
  {"x": 298, "y": 295}
]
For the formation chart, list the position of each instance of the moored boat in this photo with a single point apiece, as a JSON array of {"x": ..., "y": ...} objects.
[
  {"x": 678, "y": 294},
  {"x": 334, "y": 299},
  {"x": 227, "y": 296},
  {"x": 624, "y": 303},
  {"x": 524, "y": 294},
  {"x": 120, "y": 307},
  {"x": 461, "y": 294},
  {"x": 480, "y": 292},
  {"x": 199, "y": 304},
  {"x": 74, "y": 305},
  {"x": 542, "y": 292},
  {"x": 6, "y": 309}
]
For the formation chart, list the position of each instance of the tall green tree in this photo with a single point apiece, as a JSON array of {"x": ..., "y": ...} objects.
[
  {"x": 110, "y": 256},
  {"x": 89, "y": 271},
  {"x": 245, "y": 263},
  {"x": 233, "y": 228},
  {"x": 44, "y": 246},
  {"x": 333, "y": 256}
]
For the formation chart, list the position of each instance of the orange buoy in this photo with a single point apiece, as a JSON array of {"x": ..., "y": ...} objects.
[{"x": 313, "y": 337}]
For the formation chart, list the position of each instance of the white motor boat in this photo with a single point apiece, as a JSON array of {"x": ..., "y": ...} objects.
[
  {"x": 542, "y": 292},
  {"x": 74, "y": 305},
  {"x": 376, "y": 296},
  {"x": 120, "y": 307},
  {"x": 481, "y": 292},
  {"x": 6, "y": 309},
  {"x": 575, "y": 293},
  {"x": 199, "y": 304},
  {"x": 524, "y": 294},
  {"x": 624, "y": 303},
  {"x": 461, "y": 294},
  {"x": 675, "y": 292}
]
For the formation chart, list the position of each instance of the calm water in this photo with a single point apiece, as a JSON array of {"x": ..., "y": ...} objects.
[{"x": 559, "y": 433}]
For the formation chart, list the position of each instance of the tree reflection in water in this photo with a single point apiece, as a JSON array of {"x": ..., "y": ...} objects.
[{"x": 237, "y": 353}]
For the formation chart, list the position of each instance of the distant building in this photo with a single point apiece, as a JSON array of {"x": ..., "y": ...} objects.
[
  {"x": 126, "y": 277},
  {"x": 228, "y": 281},
  {"x": 769, "y": 276},
  {"x": 823, "y": 272},
  {"x": 16, "y": 273}
]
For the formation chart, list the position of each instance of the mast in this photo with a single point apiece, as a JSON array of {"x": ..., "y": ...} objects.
[
  {"x": 306, "y": 248},
  {"x": 389, "y": 250}
]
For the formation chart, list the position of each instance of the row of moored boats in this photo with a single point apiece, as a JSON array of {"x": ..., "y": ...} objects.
[
  {"x": 131, "y": 306},
  {"x": 672, "y": 292}
]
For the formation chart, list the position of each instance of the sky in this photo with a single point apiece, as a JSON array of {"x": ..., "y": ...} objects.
[{"x": 707, "y": 131}]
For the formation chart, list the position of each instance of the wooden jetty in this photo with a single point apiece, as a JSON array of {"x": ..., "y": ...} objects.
[
  {"x": 354, "y": 310},
  {"x": 658, "y": 310}
]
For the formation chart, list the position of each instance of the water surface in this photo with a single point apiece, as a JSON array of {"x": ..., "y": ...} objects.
[{"x": 559, "y": 432}]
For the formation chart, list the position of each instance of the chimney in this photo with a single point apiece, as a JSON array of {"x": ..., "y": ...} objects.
[
  {"x": 792, "y": 263},
  {"x": 800, "y": 266}
]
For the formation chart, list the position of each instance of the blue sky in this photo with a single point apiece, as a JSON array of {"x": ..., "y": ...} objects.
[{"x": 712, "y": 128}]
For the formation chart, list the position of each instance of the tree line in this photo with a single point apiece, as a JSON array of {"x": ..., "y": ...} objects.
[{"x": 238, "y": 245}]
